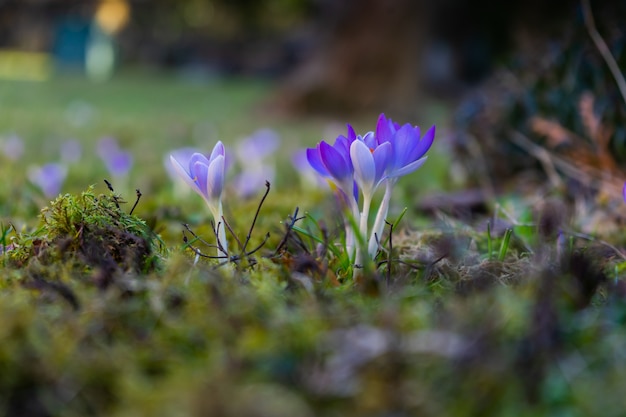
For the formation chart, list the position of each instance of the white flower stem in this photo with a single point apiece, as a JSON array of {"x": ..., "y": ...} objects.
[
  {"x": 367, "y": 201},
  {"x": 350, "y": 232},
  {"x": 379, "y": 223},
  {"x": 217, "y": 212}
]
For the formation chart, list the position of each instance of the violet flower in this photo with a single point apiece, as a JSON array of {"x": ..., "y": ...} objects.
[
  {"x": 206, "y": 177},
  {"x": 408, "y": 150},
  {"x": 252, "y": 154},
  {"x": 335, "y": 165},
  {"x": 49, "y": 178},
  {"x": 117, "y": 161},
  {"x": 366, "y": 162}
]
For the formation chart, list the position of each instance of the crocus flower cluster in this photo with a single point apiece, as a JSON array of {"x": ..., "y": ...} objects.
[
  {"x": 206, "y": 177},
  {"x": 358, "y": 165}
]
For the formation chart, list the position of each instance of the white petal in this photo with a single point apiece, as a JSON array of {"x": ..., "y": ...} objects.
[{"x": 364, "y": 166}]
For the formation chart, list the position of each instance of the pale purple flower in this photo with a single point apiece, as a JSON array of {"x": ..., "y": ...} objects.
[
  {"x": 258, "y": 146},
  {"x": 117, "y": 161},
  {"x": 181, "y": 154},
  {"x": 252, "y": 154},
  {"x": 206, "y": 177},
  {"x": 49, "y": 178},
  {"x": 13, "y": 147}
]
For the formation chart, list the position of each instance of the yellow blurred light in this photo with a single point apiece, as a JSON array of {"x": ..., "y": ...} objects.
[
  {"x": 112, "y": 15},
  {"x": 24, "y": 66}
]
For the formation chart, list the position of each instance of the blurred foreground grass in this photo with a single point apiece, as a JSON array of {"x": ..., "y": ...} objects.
[{"x": 461, "y": 322}]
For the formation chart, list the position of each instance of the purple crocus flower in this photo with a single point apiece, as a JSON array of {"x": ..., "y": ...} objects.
[
  {"x": 252, "y": 154},
  {"x": 206, "y": 177},
  {"x": 49, "y": 178},
  {"x": 365, "y": 162},
  {"x": 335, "y": 164},
  {"x": 117, "y": 161},
  {"x": 408, "y": 147}
]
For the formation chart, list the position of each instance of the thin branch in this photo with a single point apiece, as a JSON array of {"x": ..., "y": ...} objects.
[
  {"x": 186, "y": 226},
  {"x": 603, "y": 48},
  {"x": 267, "y": 236},
  {"x": 216, "y": 230},
  {"x": 256, "y": 215},
  {"x": 197, "y": 251},
  {"x": 136, "y": 201},
  {"x": 115, "y": 198},
  {"x": 294, "y": 218},
  {"x": 230, "y": 229}
]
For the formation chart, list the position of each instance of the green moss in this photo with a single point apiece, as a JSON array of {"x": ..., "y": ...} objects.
[{"x": 88, "y": 231}]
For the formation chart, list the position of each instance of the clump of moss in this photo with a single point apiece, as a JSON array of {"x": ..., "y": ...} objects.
[{"x": 88, "y": 233}]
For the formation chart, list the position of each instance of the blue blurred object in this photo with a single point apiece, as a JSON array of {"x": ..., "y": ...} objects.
[{"x": 70, "y": 42}]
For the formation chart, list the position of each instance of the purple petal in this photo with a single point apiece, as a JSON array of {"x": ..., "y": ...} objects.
[
  {"x": 424, "y": 144},
  {"x": 199, "y": 174},
  {"x": 403, "y": 143},
  {"x": 407, "y": 169},
  {"x": 370, "y": 140},
  {"x": 315, "y": 160},
  {"x": 382, "y": 157},
  {"x": 342, "y": 145},
  {"x": 335, "y": 163},
  {"x": 384, "y": 132},
  {"x": 215, "y": 178},
  {"x": 197, "y": 157},
  {"x": 184, "y": 175},
  {"x": 351, "y": 134},
  {"x": 218, "y": 150}
]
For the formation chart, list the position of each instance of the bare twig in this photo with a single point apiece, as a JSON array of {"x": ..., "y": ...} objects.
[
  {"x": 603, "y": 48},
  {"x": 136, "y": 201},
  {"x": 115, "y": 198},
  {"x": 256, "y": 215},
  {"x": 186, "y": 226},
  {"x": 294, "y": 218},
  {"x": 230, "y": 229}
]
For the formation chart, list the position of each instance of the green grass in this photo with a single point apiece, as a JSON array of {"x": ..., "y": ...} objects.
[{"x": 452, "y": 320}]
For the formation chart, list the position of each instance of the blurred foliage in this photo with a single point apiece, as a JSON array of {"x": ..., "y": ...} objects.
[
  {"x": 453, "y": 319},
  {"x": 540, "y": 92},
  {"x": 222, "y": 18}
]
